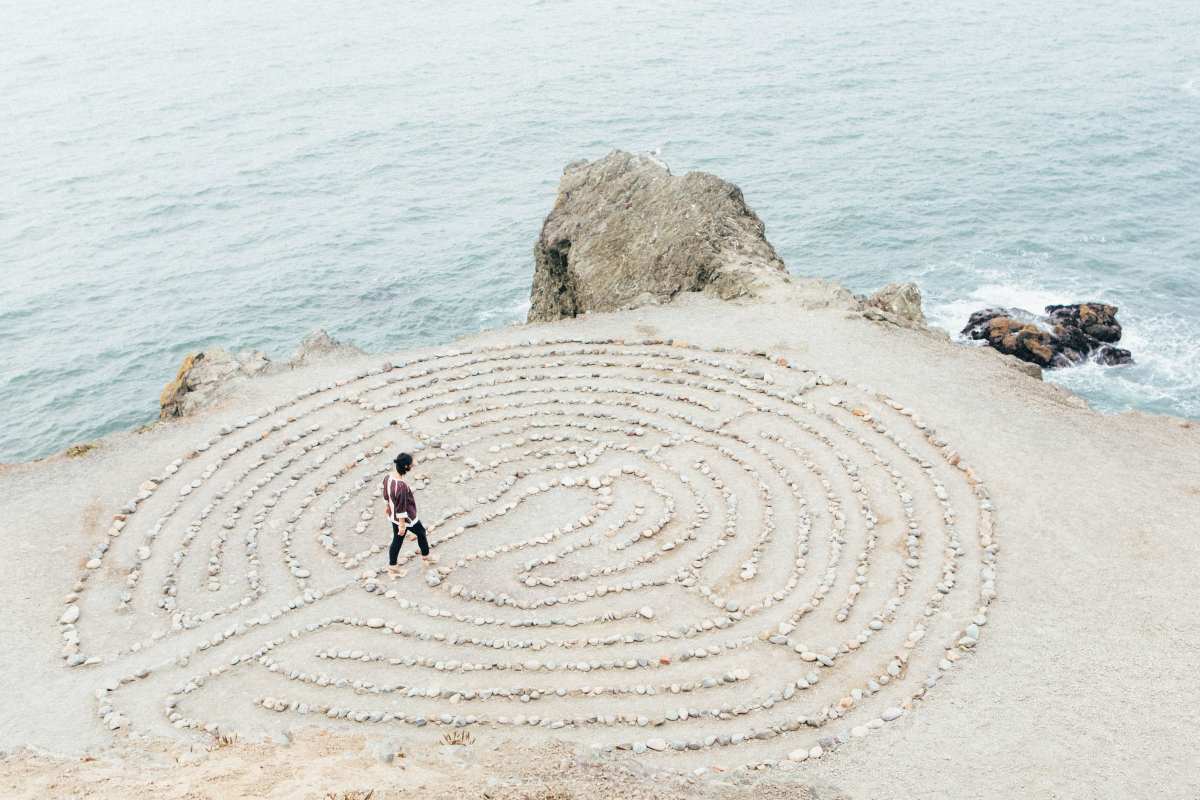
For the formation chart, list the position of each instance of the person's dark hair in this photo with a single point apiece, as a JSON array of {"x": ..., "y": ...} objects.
[{"x": 403, "y": 463}]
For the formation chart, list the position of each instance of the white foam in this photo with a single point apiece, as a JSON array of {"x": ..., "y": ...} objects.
[{"x": 953, "y": 315}]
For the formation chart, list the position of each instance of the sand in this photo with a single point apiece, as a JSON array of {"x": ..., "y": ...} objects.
[{"x": 1081, "y": 683}]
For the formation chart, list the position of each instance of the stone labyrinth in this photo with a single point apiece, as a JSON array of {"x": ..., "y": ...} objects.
[{"x": 700, "y": 557}]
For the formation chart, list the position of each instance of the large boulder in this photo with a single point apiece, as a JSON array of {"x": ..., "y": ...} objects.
[
  {"x": 1064, "y": 336},
  {"x": 625, "y": 232}
]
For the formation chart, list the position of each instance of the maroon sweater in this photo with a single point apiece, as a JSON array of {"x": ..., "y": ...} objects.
[{"x": 401, "y": 505}]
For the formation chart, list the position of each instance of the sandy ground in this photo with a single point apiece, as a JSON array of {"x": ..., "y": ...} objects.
[
  {"x": 1084, "y": 684},
  {"x": 318, "y": 766}
]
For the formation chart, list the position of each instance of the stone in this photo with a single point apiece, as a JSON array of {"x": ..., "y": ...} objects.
[
  {"x": 658, "y": 745},
  {"x": 1064, "y": 336},
  {"x": 900, "y": 302},
  {"x": 70, "y": 616},
  {"x": 206, "y": 375},
  {"x": 626, "y": 232},
  {"x": 319, "y": 346},
  {"x": 386, "y": 751}
]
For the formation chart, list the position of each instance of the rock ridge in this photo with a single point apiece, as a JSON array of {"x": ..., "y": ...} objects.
[{"x": 206, "y": 375}]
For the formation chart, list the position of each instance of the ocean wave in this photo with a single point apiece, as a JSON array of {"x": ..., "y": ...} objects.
[{"x": 1165, "y": 375}]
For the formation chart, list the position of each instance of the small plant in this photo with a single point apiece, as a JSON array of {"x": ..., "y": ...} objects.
[
  {"x": 353, "y": 794},
  {"x": 222, "y": 740},
  {"x": 458, "y": 737}
]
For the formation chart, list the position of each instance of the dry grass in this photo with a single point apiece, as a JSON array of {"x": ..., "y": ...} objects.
[
  {"x": 223, "y": 740},
  {"x": 458, "y": 737},
  {"x": 352, "y": 794}
]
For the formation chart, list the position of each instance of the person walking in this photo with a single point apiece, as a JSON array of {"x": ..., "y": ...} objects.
[{"x": 402, "y": 513}]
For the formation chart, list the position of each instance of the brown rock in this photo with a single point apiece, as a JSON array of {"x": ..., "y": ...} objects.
[
  {"x": 170, "y": 400},
  {"x": 1066, "y": 335},
  {"x": 1021, "y": 339}
]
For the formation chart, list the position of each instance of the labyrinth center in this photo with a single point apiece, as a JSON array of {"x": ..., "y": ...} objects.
[{"x": 696, "y": 556}]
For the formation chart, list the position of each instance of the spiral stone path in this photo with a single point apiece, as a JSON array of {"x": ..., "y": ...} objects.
[{"x": 694, "y": 556}]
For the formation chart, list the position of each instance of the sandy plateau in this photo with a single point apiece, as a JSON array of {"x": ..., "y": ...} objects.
[{"x": 715, "y": 548}]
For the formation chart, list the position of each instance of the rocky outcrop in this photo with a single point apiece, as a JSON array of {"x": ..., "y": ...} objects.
[
  {"x": 319, "y": 345},
  {"x": 1064, "y": 336},
  {"x": 898, "y": 303},
  {"x": 626, "y": 232},
  {"x": 203, "y": 375},
  {"x": 206, "y": 375}
]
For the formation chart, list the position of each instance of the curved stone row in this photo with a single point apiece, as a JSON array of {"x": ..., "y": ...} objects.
[{"x": 600, "y": 511}]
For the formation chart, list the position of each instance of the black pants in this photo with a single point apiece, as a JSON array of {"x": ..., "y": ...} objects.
[{"x": 398, "y": 539}]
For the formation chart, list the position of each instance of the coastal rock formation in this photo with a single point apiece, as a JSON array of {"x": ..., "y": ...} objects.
[
  {"x": 899, "y": 302},
  {"x": 625, "y": 232},
  {"x": 202, "y": 375},
  {"x": 1065, "y": 336},
  {"x": 205, "y": 375},
  {"x": 319, "y": 344}
]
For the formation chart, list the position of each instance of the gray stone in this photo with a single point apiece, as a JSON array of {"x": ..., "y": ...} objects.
[
  {"x": 626, "y": 232},
  {"x": 320, "y": 345},
  {"x": 900, "y": 302}
]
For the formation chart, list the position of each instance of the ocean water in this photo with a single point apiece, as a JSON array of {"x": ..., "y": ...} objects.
[{"x": 180, "y": 175}]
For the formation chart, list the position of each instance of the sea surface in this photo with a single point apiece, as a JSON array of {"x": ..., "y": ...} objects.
[{"x": 176, "y": 175}]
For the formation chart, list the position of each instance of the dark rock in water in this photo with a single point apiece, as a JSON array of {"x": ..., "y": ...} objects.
[
  {"x": 1097, "y": 320},
  {"x": 1065, "y": 336},
  {"x": 1011, "y": 335}
]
